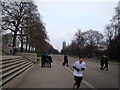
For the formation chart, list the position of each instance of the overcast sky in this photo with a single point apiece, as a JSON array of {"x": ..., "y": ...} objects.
[{"x": 64, "y": 17}]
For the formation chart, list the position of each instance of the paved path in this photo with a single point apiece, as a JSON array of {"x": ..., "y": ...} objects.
[
  {"x": 61, "y": 77},
  {"x": 95, "y": 77},
  {"x": 55, "y": 77}
]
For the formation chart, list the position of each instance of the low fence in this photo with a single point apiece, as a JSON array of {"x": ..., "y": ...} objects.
[
  {"x": 31, "y": 56},
  {"x": 6, "y": 50}
]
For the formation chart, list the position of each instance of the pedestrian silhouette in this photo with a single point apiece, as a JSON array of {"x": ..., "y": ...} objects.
[
  {"x": 65, "y": 60},
  {"x": 50, "y": 60},
  {"x": 102, "y": 62},
  {"x": 43, "y": 60},
  {"x": 106, "y": 63},
  {"x": 11, "y": 52},
  {"x": 14, "y": 51},
  {"x": 46, "y": 60}
]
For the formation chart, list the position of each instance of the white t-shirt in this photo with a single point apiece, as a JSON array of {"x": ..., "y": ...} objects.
[{"x": 79, "y": 65}]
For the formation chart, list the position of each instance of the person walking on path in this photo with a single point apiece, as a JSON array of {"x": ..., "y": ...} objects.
[
  {"x": 65, "y": 60},
  {"x": 106, "y": 63},
  {"x": 102, "y": 62},
  {"x": 50, "y": 60},
  {"x": 14, "y": 51},
  {"x": 11, "y": 52},
  {"x": 79, "y": 67},
  {"x": 43, "y": 60}
]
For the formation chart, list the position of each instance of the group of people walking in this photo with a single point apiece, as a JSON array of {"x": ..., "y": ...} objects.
[
  {"x": 79, "y": 67},
  {"x": 46, "y": 60},
  {"x": 104, "y": 63}
]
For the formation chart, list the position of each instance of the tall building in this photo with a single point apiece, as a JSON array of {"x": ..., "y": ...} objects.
[{"x": 64, "y": 45}]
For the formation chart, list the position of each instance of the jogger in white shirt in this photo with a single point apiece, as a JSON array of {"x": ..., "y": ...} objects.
[{"x": 79, "y": 67}]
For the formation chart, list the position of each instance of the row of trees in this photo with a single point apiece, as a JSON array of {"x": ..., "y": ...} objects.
[
  {"x": 113, "y": 35},
  {"x": 93, "y": 43},
  {"x": 24, "y": 22},
  {"x": 85, "y": 43}
]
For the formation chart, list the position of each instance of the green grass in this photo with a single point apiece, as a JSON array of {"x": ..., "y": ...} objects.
[
  {"x": 38, "y": 59},
  {"x": 114, "y": 60},
  {"x": 39, "y": 54}
]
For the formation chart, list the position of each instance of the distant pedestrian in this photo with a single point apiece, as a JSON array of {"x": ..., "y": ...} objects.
[
  {"x": 50, "y": 60},
  {"x": 106, "y": 63},
  {"x": 43, "y": 60},
  {"x": 102, "y": 62},
  {"x": 65, "y": 60},
  {"x": 14, "y": 51},
  {"x": 11, "y": 52},
  {"x": 47, "y": 61},
  {"x": 79, "y": 67}
]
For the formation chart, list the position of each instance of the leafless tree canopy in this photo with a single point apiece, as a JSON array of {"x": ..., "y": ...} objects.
[
  {"x": 92, "y": 43},
  {"x": 24, "y": 21},
  {"x": 85, "y": 43}
]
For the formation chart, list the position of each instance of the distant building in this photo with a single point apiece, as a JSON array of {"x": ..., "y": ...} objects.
[{"x": 64, "y": 45}]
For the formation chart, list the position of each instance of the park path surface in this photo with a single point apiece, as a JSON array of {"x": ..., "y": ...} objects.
[
  {"x": 93, "y": 76},
  {"x": 55, "y": 77},
  {"x": 59, "y": 76}
]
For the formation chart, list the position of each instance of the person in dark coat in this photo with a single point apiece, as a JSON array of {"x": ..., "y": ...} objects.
[
  {"x": 50, "y": 60},
  {"x": 14, "y": 51},
  {"x": 43, "y": 60},
  {"x": 102, "y": 62},
  {"x": 11, "y": 52},
  {"x": 65, "y": 60},
  {"x": 47, "y": 60},
  {"x": 106, "y": 63}
]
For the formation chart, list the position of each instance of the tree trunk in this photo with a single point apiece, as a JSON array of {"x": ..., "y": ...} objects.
[
  {"x": 29, "y": 48},
  {"x": 26, "y": 43},
  {"x": 35, "y": 49},
  {"x": 14, "y": 39},
  {"x": 15, "y": 34},
  {"x": 21, "y": 49}
]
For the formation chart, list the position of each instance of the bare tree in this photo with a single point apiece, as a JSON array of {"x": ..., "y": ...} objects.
[
  {"x": 110, "y": 33},
  {"x": 114, "y": 42},
  {"x": 116, "y": 20},
  {"x": 13, "y": 13},
  {"x": 24, "y": 21},
  {"x": 85, "y": 43},
  {"x": 93, "y": 37}
]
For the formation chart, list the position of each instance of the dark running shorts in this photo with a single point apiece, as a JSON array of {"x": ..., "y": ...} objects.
[{"x": 76, "y": 78}]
